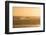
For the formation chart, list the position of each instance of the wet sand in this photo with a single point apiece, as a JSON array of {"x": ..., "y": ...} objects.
[{"x": 20, "y": 21}]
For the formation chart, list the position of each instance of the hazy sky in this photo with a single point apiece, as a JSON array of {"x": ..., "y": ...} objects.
[{"x": 26, "y": 11}]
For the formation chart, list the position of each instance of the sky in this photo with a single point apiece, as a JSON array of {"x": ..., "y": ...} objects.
[{"x": 26, "y": 11}]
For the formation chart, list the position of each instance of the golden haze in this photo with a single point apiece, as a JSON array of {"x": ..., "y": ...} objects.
[{"x": 26, "y": 11}]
